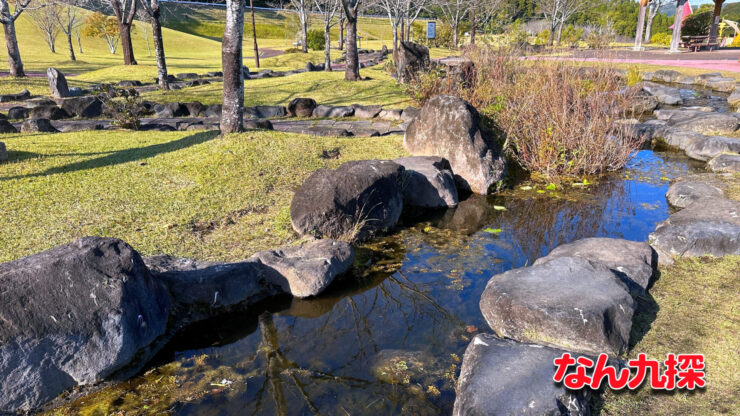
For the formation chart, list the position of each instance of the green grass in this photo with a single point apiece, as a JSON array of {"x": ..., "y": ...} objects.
[{"x": 181, "y": 193}]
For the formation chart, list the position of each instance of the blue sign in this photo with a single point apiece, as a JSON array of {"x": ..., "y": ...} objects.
[{"x": 431, "y": 30}]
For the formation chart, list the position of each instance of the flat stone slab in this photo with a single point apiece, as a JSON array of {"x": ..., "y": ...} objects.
[
  {"x": 725, "y": 163},
  {"x": 683, "y": 193},
  {"x": 709, "y": 147},
  {"x": 503, "y": 377},
  {"x": 663, "y": 93},
  {"x": 708, "y": 123},
  {"x": 566, "y": 302}
]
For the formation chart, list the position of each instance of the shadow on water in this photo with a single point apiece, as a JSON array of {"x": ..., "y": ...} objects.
[{"x": 389, "y": 337}]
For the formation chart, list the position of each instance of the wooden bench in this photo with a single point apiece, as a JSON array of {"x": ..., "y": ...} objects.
[{"x": 697, "y": 43}]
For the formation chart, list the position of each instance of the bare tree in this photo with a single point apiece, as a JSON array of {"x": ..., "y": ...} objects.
[
  {"x": 558, "y": 12},
  {"x": 352, "y": 63},
  {"x": 341, "y": 28},
  {"x": 329, "y": 9},
  {"x": 640, "y": 25},
  {"x": 69, "y": 20},
  {"x": 152, "y": 9},
  {"x": 411, "y": 11},
  {"x": 125, "y": 11},
  {"x": 254, "y": 35},
  {"x": 232, "y": 62},
  {"x": 453, "y": 13},
  {"x": 78, "y": 36},
  {"x": 395, "y": 10},
  {"x": 677, "y": 19},
  {"x": 302, "y": 8},
  {"x": 8, "y": 19},
  {"x": 653, "y": 9},
  {"x": 44, "y": 17},
  {"x": 481, "y": 13}
]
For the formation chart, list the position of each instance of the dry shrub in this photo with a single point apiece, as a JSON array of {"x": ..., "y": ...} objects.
[{"x": 555, "y": 118}]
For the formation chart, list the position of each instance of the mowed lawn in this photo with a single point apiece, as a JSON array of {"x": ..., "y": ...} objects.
[{"x": 181, "y": 193}]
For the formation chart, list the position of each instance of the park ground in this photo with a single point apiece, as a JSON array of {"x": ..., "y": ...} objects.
[{"x": 196, "y": 195}]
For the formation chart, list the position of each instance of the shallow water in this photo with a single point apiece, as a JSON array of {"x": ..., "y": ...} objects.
[{"x": 389, "y": 338}]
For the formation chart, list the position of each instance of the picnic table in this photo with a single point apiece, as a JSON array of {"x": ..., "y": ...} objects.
[{"x": 697, "y": 43}]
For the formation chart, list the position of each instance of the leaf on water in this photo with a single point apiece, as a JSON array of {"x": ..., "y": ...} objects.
[
  {"x": 499, "y": 208},
  {"x": 551, "y": 187},
  {"x": 525, "y": 188},
  {"x": 540, "y": 191},
  {"x": 493, "y": 230},
  {"x": 665, "y": 178}
]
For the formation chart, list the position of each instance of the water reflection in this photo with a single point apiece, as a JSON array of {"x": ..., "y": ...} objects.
[{"x": 388, "y": 339}]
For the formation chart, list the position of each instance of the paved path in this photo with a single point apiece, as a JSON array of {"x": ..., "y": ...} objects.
[{"x": 722, "y": 60}]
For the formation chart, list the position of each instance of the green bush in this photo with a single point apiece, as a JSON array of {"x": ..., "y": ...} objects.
[
  {"x": 663, "y": 39},
  {"x": 543, "y": 38},
  {"x": 697, "y": 24},
  {"x": 571, "y": 35},
  {"x": 315, "y": 40},
  {"x": 596, "y": 40}
]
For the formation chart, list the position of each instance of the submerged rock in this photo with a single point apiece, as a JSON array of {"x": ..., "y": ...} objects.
[
  {"x": 74, "y": 315},
  {"x": 566, "y": 302},
  {"x": 632, "y": 261},
  {"x": 429, "y": 182},
  {"x": 450, "y": 128},
  {"x": 503, "y": 377}
]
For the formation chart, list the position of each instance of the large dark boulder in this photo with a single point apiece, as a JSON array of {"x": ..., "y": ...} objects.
[
  {"x": 567, "y": 302},
  {"x": 21, "y": 96},
  {"x": 82, "y": 107},
  {"x": 450, "y": 128},
  {"x": 170, "y": 110},
  {"x": 634, "y": 262},
  {"x": 57, "y": 83},
  {"x": 195, "y": 108},
  {"x": 301, "y": 107},
  {"x": 6, "y": 127},
  {"x": 75, "y": 315},
  {"x": 17, "y": 113},
  {"x": 356, "y": 201},
  {"x": 51, "y": 112},
  {"x": 429, "y": 182},
  {"x": 410, "y": 58},
  {"x": 710, "y": 226},
  {"x": 38, "y": 125},
  {"x": 503, "y": 377}
]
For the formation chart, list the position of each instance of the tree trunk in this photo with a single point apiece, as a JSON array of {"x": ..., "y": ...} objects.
[
  {"x": 14, "y": 55},
  {"x": 560, "y": 32},
  {"x": 159, "y": 51},
  {"x": 455, "y": 40},
  {"x": 551, "y": 40},
  {"x": 126, "y": 46},
  {"x": 472, "y": 25},
  {"x": 640, "y": 27},
  {"x": 352, "y": 72},
  {"x": 232, "y": 112},
  {"x": 304, "y": 32},
  {"x": 394, "y": 27},
  {"x": 71, "y": 47},
  {"x": 715, "y": 20},
  {"x": 254, "y": 36},
  {"x": 677, "y": 26},
  {"x": 341, "y": 29},
  {"x": 327, "y": 47},
  {"x": 79, "y": 44},
  {"x": 649, "y": 27}
]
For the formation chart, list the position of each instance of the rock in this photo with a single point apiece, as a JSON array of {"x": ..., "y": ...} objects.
[
  {"x": 567, "y": 302},
  {"x": 82, "y": 125},
  {"x": 725, "y": 163},
  {"x": 57, "y": 83},
  {"x": 429, "y": 182},
  {"x": 710, "y": 226},
  {"x": 214, "y": 74},
  {"x": 367, "y": 111},
  {"x": 721, "y": 84},
  {"x": 409, "y": 113},
  {"x": 308, "y": 270},
  {"x": 51, "y": 112},
  {"x": 3, "y": 150},
  {"x": 21, "y": 96},
  {"x": 213, "y": 110},
  {"x": 245, "y": 72},
  {"x": 702, "y": 78},
  {"x": 709, "y": 123},
  {"x": 685, "y": 192},
  {"x": 449, "y": 127},
  {"x": 327, "y": 131},
  {"x": 128, "y": 84},
  {"x": 265, "y": 111},
  {"x": 258, "y": 124},
  {"x": 302, "y": 107},
  {"x": 170, "y": 110},
  {"x": 195, "y": 108},
  {"x": 6, "y": 127},
  {"x": 686, "y": 80},
  {"x": 678, "y": 138},
  {"x": 356, "y": 201},
  {"x": 644, "y": 103},
  {"x": 75, "y": 315},
  {"x": 664, "y": 75},
  {"x": 82, "y": 107},
  {"x": 664, "y": 94},
  {"x": 710, "y": 147},
  {"x": 310, "y": 67},
  {"x": 17, "y": 113},
  {"x": 38, "y": 125},
  {"x": 734, "y": 98},
  {"x": 503, "y": 377},
  {"x": 187, "y": 75},
  {"x": 410, "y": 58},
  {"x": 327, "y": 111},
  {"x": 393, "y": 114},
  {"x": 632, "y": 261},
  {"x": 203, "y": 290}
]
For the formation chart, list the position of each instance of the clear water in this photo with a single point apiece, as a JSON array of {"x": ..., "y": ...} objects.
[{"x": 389, "y": 338}]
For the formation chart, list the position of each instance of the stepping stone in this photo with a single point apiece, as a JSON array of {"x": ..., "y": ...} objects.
[
  {"x": 503, "y": 377},
  {"x": 710, "y": 226},
  {"x": 685, "y": 192},
  {"x": 38, "y": 125},
  {"x": 664, "y": 75},
  {"x": 710, "y": 147},
  {"x": 391, "y": 115},
  {"x": 721, "y": 84},
  {"x": 51, "y": 112},
  {"x": 686, "y": 80},
  {"x": 258, "y": 124},
  {"x": 664, "y": 94},
  {"x": 725, "y": 163},
  {"x": 265, "y": 111},
  {"x": 709, "y": 123},
  {"x": 367, "y": 111},
  {"x": 326, "y": 111},
  {"x": 21, "y": 96},
  {"x": 429, "y": 182},
  {"x": 566, "y": 302},
  {"x": 634, "y": 262}
]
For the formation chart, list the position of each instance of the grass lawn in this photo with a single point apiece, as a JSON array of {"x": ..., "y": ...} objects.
[{"x": 181, "y": 193}]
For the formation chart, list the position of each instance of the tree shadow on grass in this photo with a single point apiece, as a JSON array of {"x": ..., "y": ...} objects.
[{"x": 126, "y": 155}]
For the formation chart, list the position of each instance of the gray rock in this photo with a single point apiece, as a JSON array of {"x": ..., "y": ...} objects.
[
  {"x": 503, "y": 377},
  {"x": 128, "y": 84},
  {"x": 258, "y": 124},
  {"x": 38, "y": 125},
  {"x": 710, "y": 147},
  {"x": 170, "y": 110},
  {"x": 632, "y": 261},
  {"x": 81, "y": 125},
  {"x": 710, "y": 226},
  {"x": 450, "y": 128},
  {"x": 356, "y": 201},
  {"x": 187, "y": 75},
  {"x": 308, "y": 270},
  {"x": 327, "y": 131},
  {"x": 21, "y": 96},
  {"x": 665, "y": 75},
  {"x": 429, "y": 182},
  {"x": 327, "y": 111},
  {"x": 734, "y": 98},
  {"x": 214, "y": 74},
  {"x": 567, "y": 302},
  {"x": 410, "y": 58},
  {"x": 725, "y": 163},
  {"x": 265, "y": 111},
  {"x": 644, "y": 103},
  {"x": 3, "y": 150},
  {"x": 686, "y": 80},
  {"x": 245, "y": 72},
  {"x": 702, "y": 78},
  {"x": 17, "y": 113},
  {"x": 709, "y": 123},
  {"x": 302, "y": 107},
  {"x": 51, "y": 112},
  {"x": 213, "y": 110},
  {"x": 685, "y": 192},
  {"x": 393, "y": 114},
  {"x": 409, "y": 113},
  {"x": 721, "y": 84},
  {"x": 367, "y": 111},
  {"x": 57, "y": 83},
  {"x": 195, "y": 108},
  {"x": 75, "y": 315},
  {"x": 6, "y": 127},
  {"x": 678, "y": 138},
  {"x": 664, "y": 94},
  {"x": 83, "y": 107}
]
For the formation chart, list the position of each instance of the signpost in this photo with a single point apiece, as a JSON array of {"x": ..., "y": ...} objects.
[{"x": 431, "y": 30}]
